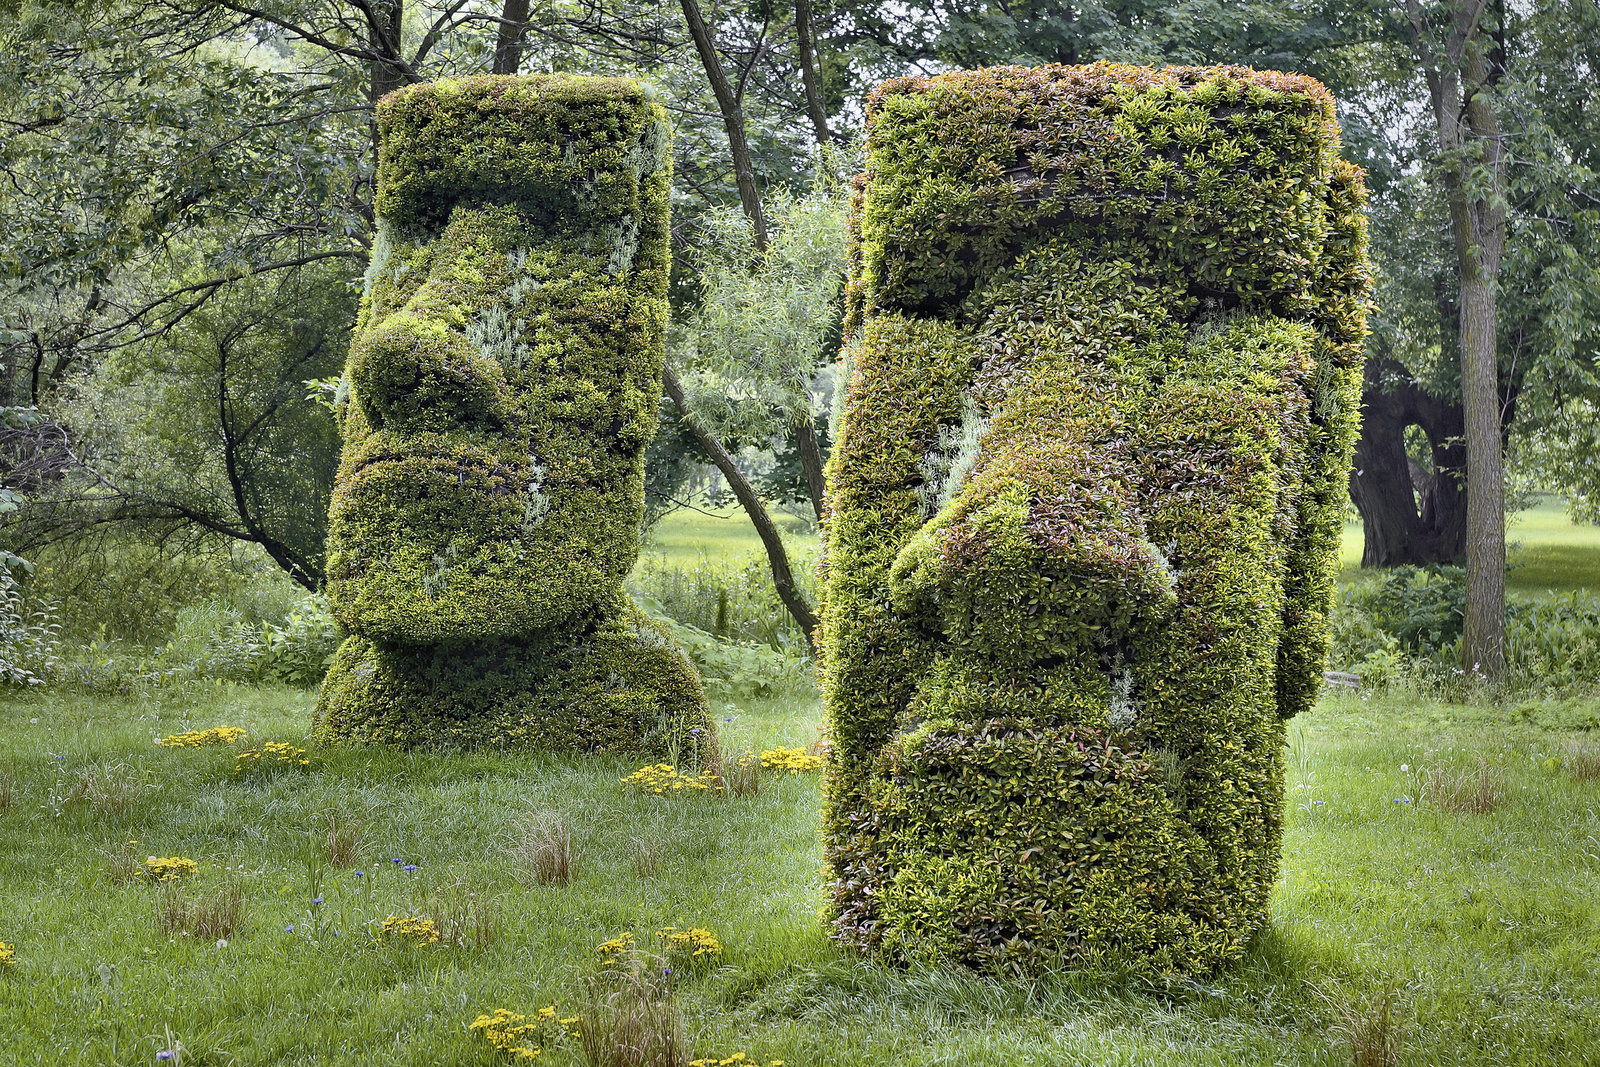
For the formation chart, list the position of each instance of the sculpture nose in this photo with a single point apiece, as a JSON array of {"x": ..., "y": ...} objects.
[
  {"x": 1043, "y": 552},
  {"x": 416, "y": 375}
]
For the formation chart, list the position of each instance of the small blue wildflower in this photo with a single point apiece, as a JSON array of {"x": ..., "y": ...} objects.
[
  {"x": 289, "y": 929},
  {"x": 696, "y": 730},
  {"x": 397, "y": 859},
  {"x": 728, "y": 719},
  {"x": 359, "y": 874},
  {"x": 165, "y": 1054},
  {"x": 61, "y": 757},
  {"x": 315, "y": 901},
  {"x": 666, "y": 972},
  {"x": 409, "y": 867},
  {"x": 1402, "y": 800},
  {"x": 1318, "y": 803}
]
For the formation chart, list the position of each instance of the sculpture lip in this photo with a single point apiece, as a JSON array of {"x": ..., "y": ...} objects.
[{"x": 439, "y": 459}]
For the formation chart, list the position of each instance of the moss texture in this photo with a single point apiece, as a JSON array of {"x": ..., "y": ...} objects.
[
  {"x": 1104, "y": 334},
  {"x": 502, "y": 385}
]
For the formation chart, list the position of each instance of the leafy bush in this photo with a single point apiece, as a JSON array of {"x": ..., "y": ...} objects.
[{"x": 1403, "y": 626}]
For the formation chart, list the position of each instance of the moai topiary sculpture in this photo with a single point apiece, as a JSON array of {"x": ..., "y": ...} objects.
[
  {"x": 503, "y": 382},
  {"x": 1103, "y": 346}
]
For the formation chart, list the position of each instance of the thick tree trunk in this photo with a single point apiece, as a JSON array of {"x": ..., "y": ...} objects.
[
  {"x": 771, "y": 539},
  {"x": 508, "y": 38},
  {"x": 1386, "y": 485}
]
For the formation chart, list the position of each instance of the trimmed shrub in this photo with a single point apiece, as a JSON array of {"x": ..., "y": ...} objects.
[
  {"x": 1103, "y": 345},
  {"x": 502, "y": 385}
]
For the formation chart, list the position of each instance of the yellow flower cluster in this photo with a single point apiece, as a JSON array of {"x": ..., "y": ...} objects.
[
  {"x": 793, "y": 760},
  {"x": 663, "y": 778},
  {"x": 272, "y": 754},
  {"x": 620, "y": 945},
  {"x": 168, "y": 868},
  {"x": 511, "y": 1033},
  {"x": 700, "y": 943},
  {"x": 217, "y": 735},
  {"x": 410, "y": 928},
  {"x": 738, "y": 1059},
  {"x": 8, "y": 955}
]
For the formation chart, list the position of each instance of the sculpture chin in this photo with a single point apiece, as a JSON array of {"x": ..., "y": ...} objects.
[{"x": 429, "y": 548}]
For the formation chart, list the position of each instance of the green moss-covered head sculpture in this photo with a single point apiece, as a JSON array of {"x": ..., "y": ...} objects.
[
  {"x": 502, "y": 385},
  {"x": 1103, "y": 343}
]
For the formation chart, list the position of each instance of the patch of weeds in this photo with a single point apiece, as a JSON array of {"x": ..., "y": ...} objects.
[
  {"x": 216, "y": 735},
  {"x": 167, "y": 868},
  {"x": 543, "y": 849},
  {"x": 6, "y": 786},
  {"x": 273, "y": 754},
  {"x": 663, "y": 779},
  {"x": 411, "y": 930},
  {"x": 519, "y": 1037},
  {"x": 1463, "y": 790}
]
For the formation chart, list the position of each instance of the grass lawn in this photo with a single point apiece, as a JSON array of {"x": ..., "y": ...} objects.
[
  {"x": 722, "y": 534},
  {"x": 1484, "y": 929},
  {"x": 1547, "y": 552}
]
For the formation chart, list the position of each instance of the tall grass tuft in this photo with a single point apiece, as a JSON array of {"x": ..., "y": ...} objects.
[
  {"x": 742, "y": 778},
  {"x": 1464, "y": 790},
  {"x": 110, "y": 787},
  {"x": 1370, "y": 1027},
  {"x": 544, "y": 849},
  {"x": 631, "y": 1019},
  {"x": 344, "y": 839},
  {"x": 463, "y": 917},
  {"x": 1583, "y": 762},
  {"x": 5, "y": 791},
  {"x": 209, "y": 915},
  {"x": 645, "y": 856}
]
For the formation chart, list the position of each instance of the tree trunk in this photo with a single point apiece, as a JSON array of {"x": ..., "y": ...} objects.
[
  {"x": 805, "y": 439},
  {"x": 744, "y": 171},
  {"x": 1408, "y": 515},
  {"x": 777, "y": 554},
  {"x": 815, "y": 106},
  {"x": 508, "y": 38},
  {"x": 1473, "y": 165}
]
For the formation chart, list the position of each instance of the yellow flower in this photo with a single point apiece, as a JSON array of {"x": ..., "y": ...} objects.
[
  {"x": 168, "y": 868},
  {"x": 217, "y": 735},
  {"x": 8, "y": 956},
  {"x": 793, "y": 760},
  {"x": 412, "y": 928},
  {"x": 659, "y": 779},
  {"x": 617, "y": 946},
  {"x": 700, "y": 943}
]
